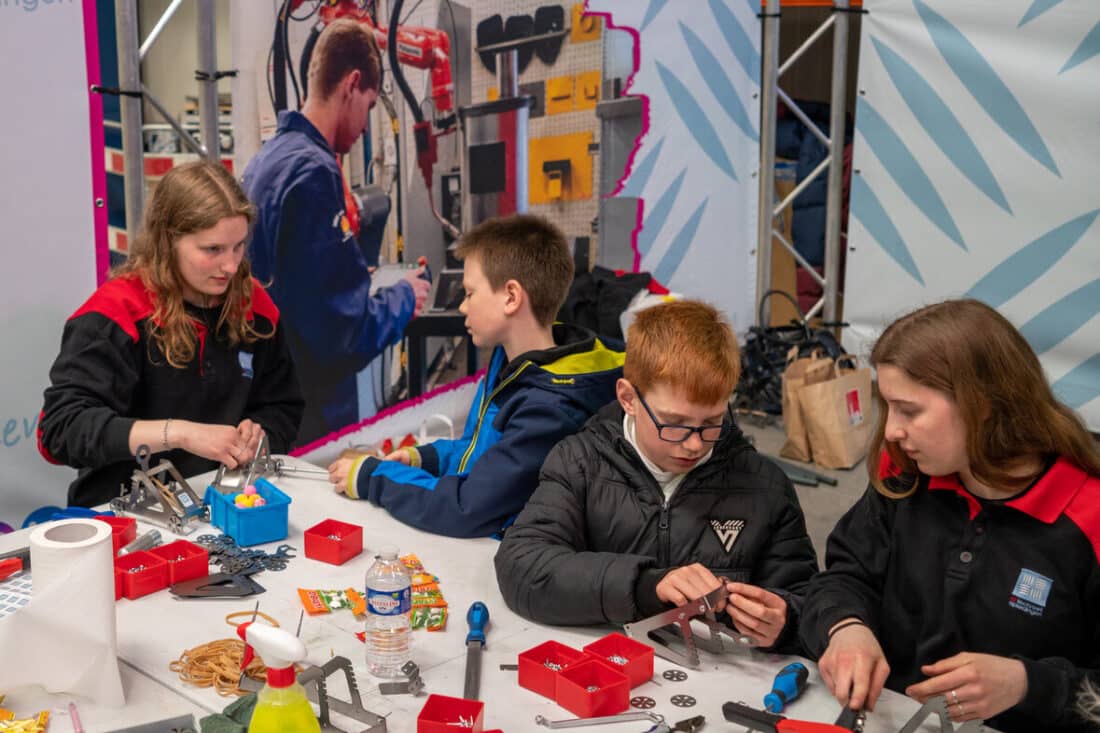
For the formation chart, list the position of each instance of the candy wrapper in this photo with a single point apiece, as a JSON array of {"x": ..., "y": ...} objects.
[
  {"x": 317, "y": 602},
  {"x": 432, "y": 618},
  {"x": 429, "y": 608}
]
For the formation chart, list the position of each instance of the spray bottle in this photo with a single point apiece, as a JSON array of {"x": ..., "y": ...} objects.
[{"x": 282, "y": 705}]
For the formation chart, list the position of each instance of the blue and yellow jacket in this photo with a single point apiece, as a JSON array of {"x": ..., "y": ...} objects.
[{"x": 474, "y": 486}]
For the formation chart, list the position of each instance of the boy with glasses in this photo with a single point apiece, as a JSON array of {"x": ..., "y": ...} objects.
[{"x": 660, "y": 499}]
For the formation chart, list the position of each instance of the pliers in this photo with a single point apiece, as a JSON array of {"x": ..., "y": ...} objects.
[{"x": 850, "y": 721}]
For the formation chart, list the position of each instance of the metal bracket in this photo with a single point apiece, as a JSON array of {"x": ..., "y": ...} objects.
[
  {"x": 578, "y": 722},
  {"x": 313, "y": 680},
  {"x": 938, "y": 706},
  {"x": 171, "y": 504},
  {"x": 263, "y": 464},
  {"x": 414, "y": 685},
  {"x": 674, "y": 626}
]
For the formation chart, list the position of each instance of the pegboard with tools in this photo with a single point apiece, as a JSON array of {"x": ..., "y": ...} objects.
[{"x": 566, "y": 92}]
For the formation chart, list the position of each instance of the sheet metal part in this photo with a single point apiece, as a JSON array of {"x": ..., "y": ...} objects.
[
  {"x": 412, "y": 685},
  {"x": 161, "y": 496},
  {"x": 604, "y": 720},
  {"x": 263, "y": 464},
  {"x": 938, "y": 706},
  {"x": 668, "y": 630}
]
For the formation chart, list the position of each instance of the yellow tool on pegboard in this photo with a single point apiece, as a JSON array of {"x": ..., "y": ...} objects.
[
  {"x": 586, "y": 90},
  {"x": 560, "y": 168},
  {"x": 585, "y": 27},
  {"x": 559, "y": 95}
]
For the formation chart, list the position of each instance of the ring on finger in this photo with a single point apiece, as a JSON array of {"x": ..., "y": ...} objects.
[
  {"x": 962, "y": 710},
  {"x": 954, "y": 697}
]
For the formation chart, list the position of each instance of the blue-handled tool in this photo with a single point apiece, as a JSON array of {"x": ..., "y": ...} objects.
[
  {"x": 477, "y": 618},
  {"x": 787, "y": 686}
]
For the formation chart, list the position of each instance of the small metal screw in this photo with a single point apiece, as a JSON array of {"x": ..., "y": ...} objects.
[
  {"x": 592, "y": 688},
  {"x": 618, "y": 659},
  {"x": 552, "y": 665},
  {"x": 136, "y": 569}
]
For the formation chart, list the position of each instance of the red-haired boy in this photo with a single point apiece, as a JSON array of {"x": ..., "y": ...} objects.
[{"x": 659, "y": 495}]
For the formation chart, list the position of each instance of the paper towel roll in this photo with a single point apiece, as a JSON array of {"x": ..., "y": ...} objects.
[{"x": 65, "y": 638}]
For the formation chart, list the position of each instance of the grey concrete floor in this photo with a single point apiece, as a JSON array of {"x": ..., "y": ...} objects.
[{"x": 823, "y": 505}]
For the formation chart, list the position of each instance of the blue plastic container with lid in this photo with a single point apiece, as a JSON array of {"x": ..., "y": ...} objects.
[{"x": 250, "y": 525}]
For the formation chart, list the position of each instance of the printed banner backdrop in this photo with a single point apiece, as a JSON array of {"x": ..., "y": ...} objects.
[
  {"x": 975, "y": 173},
  {"x": 696, "y": 162},
  {"x": 47, "y": 226}
]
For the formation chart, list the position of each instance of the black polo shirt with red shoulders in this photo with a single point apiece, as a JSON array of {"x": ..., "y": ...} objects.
[
  {"x": 941, "y": 572},
  {"x": 110, "y": 372}
]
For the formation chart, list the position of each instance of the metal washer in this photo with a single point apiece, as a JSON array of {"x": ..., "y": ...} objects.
[
  {"x": 642, "y": 702},
  {"x": 683, "y": 701},
  {"x": 675, "y": 675}
]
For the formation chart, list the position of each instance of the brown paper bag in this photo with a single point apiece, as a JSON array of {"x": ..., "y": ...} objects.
[
  {"x": 797, "y": 374},
  {"x": 836, "y": 412}
]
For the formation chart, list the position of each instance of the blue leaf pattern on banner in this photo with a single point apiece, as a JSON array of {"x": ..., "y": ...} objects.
[
  {"x": 985, "y": 85},
  {"x": 656, "y": 218},
  {"x": 679, "y": 246},
  {"x": 1033, "y": 260},
  {"x": 1059, "y": 321},
  {"x": 737, "y": 39},
  {"x": 866, "y": 207},
  {"x": 695, "y": 119},
  {"x": 1081, "y": 385},
  {"x": 717, "y": 81},
  {"x": 651, "y": 12},
  {"x": 1089, "y": 48},
  {"x": 904, "y": 169},
  {"x": 642, "y": 171},
  {"x": 1037, "y": 8},
  {"x": 940, "y": 123}
]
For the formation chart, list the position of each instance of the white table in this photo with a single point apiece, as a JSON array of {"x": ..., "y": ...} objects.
[{"x": 155, "y": 629}]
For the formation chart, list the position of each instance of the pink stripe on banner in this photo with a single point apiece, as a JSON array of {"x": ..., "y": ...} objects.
[
  {"x": 399, "y": 407},
  {"x": 96, "y": 144},
  {"x": 637, "y": 58}
]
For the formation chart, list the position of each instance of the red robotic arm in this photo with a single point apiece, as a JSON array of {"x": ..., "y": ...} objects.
[{"x": 421, "y": 48}]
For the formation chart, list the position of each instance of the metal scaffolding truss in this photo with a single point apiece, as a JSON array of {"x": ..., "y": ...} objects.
[
  {"x": 833, "y": 164},
  {"x": 130, "y": 56}
]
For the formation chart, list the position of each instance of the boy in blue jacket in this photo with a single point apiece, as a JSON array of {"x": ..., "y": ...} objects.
[{"x": 544, "y": 381}]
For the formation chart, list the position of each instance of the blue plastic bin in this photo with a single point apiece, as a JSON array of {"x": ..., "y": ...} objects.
[{"x": 250, "y": 525}]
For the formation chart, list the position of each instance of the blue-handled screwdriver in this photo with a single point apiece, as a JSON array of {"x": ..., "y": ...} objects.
[
  {"x": 476, "y": 618},
  {"x": 787, "y": 686}
]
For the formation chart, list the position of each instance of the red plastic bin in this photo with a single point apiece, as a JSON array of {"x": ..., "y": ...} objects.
[
  {"x": 536, "y": 676},
  {"x": 334, "y": 541},
  {"x": 152, "y": 577},
  {"x": 123, "y": 531},
  {"x": 442, "y": 714},
  {"x": 611, "y": 693},
  {"x": 186, "y": 560},
  {"x": 638, "y": 656}
]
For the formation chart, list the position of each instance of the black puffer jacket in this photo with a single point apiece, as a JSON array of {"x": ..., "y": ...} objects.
[{"x": 596, "y": 537}]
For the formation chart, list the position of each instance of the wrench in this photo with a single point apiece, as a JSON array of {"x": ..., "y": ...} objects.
[{"x": 578, "y": 722}]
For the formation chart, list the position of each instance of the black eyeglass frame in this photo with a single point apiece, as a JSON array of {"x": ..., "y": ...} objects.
[{"x": 722, "y": 428}]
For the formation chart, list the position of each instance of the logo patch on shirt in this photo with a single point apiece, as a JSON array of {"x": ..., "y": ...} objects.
[
  {"x": 342, "y": 224},
  {"x": 727, "y": 531},
  {"x": 245, "y": 359},
  {"x": 1030, "y": 593}
]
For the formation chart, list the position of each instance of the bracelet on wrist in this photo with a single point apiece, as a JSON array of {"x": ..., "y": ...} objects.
[
  {"x": 844, "y": 625},
  {"x": 164, "y": 435}
]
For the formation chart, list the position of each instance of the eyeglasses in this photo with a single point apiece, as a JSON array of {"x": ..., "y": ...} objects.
[{"x": 679, "y": 433}]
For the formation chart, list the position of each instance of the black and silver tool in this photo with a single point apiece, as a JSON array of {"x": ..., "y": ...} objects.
[
  {"x": 938, "y": 706},
  {"x": 476, "y": 618},
  {"x": 655, "y": 718},
  {"x": 160, "y": 495}
]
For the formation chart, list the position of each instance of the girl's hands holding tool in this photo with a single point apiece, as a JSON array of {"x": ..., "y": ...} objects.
[
  {"x": 251, "y": 433},
  {"x": 853, "y": 666},
  {"x": 756, "y": 612},
  {"x": 977, "y": 686},
  {"x": 222, "y": 443}
]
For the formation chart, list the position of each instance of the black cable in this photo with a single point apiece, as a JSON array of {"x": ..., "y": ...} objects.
[
  {"x": 395, "y": 64},
  {"x": 286, "y": 51},
  {"x": 277, "y": 64},
  {"x": 316, "y": 9}
]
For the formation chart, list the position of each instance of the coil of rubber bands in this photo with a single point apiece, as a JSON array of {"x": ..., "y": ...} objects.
[{"x": 217, "y": 664}]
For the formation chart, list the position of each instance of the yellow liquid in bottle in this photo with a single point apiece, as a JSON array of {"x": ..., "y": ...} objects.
[{"x": 283, "y": 710}]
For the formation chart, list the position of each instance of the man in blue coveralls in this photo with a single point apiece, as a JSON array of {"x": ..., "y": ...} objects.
[{"x": 304, "y": 244}]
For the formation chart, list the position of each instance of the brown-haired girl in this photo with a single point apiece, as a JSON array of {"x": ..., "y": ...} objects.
[
  {"x": 970, "y": 569},
  {"x": 179, "y": 351}
]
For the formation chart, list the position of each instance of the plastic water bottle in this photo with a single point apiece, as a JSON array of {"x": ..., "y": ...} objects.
[{"x": 389, "y": 600}]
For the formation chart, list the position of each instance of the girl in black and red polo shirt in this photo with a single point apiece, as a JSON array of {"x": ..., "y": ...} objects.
[{"x": 969, "y": 569}]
